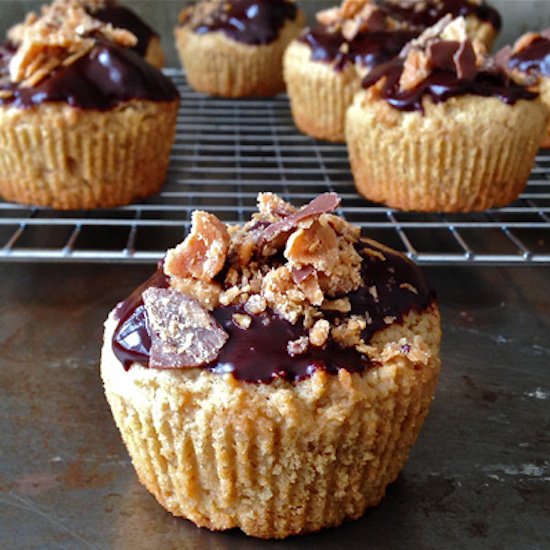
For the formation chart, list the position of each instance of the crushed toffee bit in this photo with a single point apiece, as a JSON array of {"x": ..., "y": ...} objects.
[
  {"x": 410, "y": 287},
  {"x": 298, "y": 346},
  {"x": 242, "y": 321},
  {"x": 318, "y": 334},
  {"x": 183, "y": 333},
  {"x": 255, "y": 305},
  {"x": 202, "y": 254},
  {"x": 341, "y": 305}
]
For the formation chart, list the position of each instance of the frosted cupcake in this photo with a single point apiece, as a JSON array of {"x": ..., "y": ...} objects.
[
  {"x": 443, "y": 128},
  {"x": 529, "y": 61},
  {"x": 273, "y": 376},
  {"x": 84, "y": 121},
  {"x": 323, "y": 68},
  {"x": 234, "y": 48}
]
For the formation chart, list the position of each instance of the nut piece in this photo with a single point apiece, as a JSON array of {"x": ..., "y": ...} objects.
[
  {"x": 202, "y": 254},
  {"x": 415, "y": 70},
  {"x": 183, "y": 334}
]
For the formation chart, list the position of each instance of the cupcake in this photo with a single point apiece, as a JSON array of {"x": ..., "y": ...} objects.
[
  {"x": 443, "y": 128},
  {"x": 529, "y": 60},
  {"x": 84, "y": 121},
  {"x": 234, "y": 48},
  {"x": 273, "y": 376},
  {"x": 324, "y": 67}
]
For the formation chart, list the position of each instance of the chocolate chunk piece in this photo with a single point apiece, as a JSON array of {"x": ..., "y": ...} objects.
[
  {"x": 323, "y": 204},
  {"x": 183, "y": 334},
  {"x": 465, "y": 61}
]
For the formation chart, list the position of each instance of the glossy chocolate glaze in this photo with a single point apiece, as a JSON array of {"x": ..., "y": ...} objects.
[
  {"x": 124, "y": 18},
  {"x": 100, "y": 80},
  {"x": 534, "y": 59},
  {"x": 436, "y": 9},
  {"x": 251, "y": 22},
  {"x": 441, "y": 86},
  {"x": 368, "y": 48},
  {"x": 259, "y": 354}
]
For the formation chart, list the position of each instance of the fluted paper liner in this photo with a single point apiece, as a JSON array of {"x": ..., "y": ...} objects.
[
  {"x": 272, "y": 459},
  {"x": 216, "y": 65},
  {"x": 466, "y": 154},
  {"x": 319, "y": 95},
  {"x": 64, "y": 157}
]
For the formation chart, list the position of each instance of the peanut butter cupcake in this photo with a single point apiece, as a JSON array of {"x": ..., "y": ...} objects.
[
  {"x": 529, "y": 61},
  {"x": 273, "y": 376},
  {"x": 234, "y": 48},
  {"x": 84, "y": 121},
  {"x": 443, "y": 128},
  {"x": 324, "y": 67}
]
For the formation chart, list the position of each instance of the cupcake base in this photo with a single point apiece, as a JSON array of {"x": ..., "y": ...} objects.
[
  {"x": 466, "y": 154},
  {"x": 68, "y": 158},
  {"x": 319, "y": 95},
  {"x": 273, "y": 459},
  {"x": 219, "y": 66}
]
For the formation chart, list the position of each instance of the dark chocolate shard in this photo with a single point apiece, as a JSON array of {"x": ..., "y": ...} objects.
[
  {"x": 183, "y": 333},
  {"x": 323, "y": 204},
  {"x": 376, "y": 21},
  {"x": 465, "y": 61},
  {"x": 441, "y": 54}
]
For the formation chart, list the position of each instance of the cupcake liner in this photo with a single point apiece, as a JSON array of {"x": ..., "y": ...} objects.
[
  {"x": 217, "y": 65},
  {"x": 64, "y": 157},
  {"x": 469, "y": 153},
  {"x": 272, "y": 459},
  {"x": 319, "y": 95}
]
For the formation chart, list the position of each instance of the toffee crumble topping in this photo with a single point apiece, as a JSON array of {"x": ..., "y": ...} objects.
[
  {"x": 289, "y": 292},
  {"x": 442, "y": 63},
  {"x": 370, "y": 32}
]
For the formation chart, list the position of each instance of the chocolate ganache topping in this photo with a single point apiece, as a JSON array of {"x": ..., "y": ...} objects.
[
  {"x": 124, "y": 18},
  {"x": 103, "y": 78},
  {"x": 264, "y": 344},
  {"x": 531, "y": 54},
  {"x": 440, "y": 64},
  {"x": 368, "y": 49},
  {"x": 252, "y": 22},
  {"x": 424, "y": 14}
]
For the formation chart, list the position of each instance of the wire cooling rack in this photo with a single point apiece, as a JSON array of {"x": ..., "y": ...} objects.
[{"x": 225, "y": 152}]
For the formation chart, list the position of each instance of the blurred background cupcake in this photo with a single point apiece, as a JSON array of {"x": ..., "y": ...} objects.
[
  {"x": 234, "y": 48},
  {"x": 442, "y": 127}
]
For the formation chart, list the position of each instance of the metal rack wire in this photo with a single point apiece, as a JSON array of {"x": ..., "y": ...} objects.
[{"x": 225, "y": 152}]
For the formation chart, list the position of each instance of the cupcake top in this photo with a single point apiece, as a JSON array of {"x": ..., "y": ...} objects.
[
  {"x": 358, "y": 32},
  {"x": 370, "y": 32},
  {"x": 422, "y": 14},
  {"x": 252, "y": 22},
  {"x": 122, "y": 17},
  {"x": 289, "y": 292},
  {"x": 442, "y": 63},
  {"x": 65, "y": 55},
  {"x": 530, "y": 54}
]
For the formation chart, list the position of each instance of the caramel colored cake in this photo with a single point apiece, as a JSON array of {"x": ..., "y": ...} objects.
[
  {"x": 84, "y": 121},
  {"x": 443, "y": 128},
  {"x": 273, "y": 376},
  {"x": 529, "y": 61},
  {"x": 234, "y": 48},
  {"x": 324, "y": 67}
]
